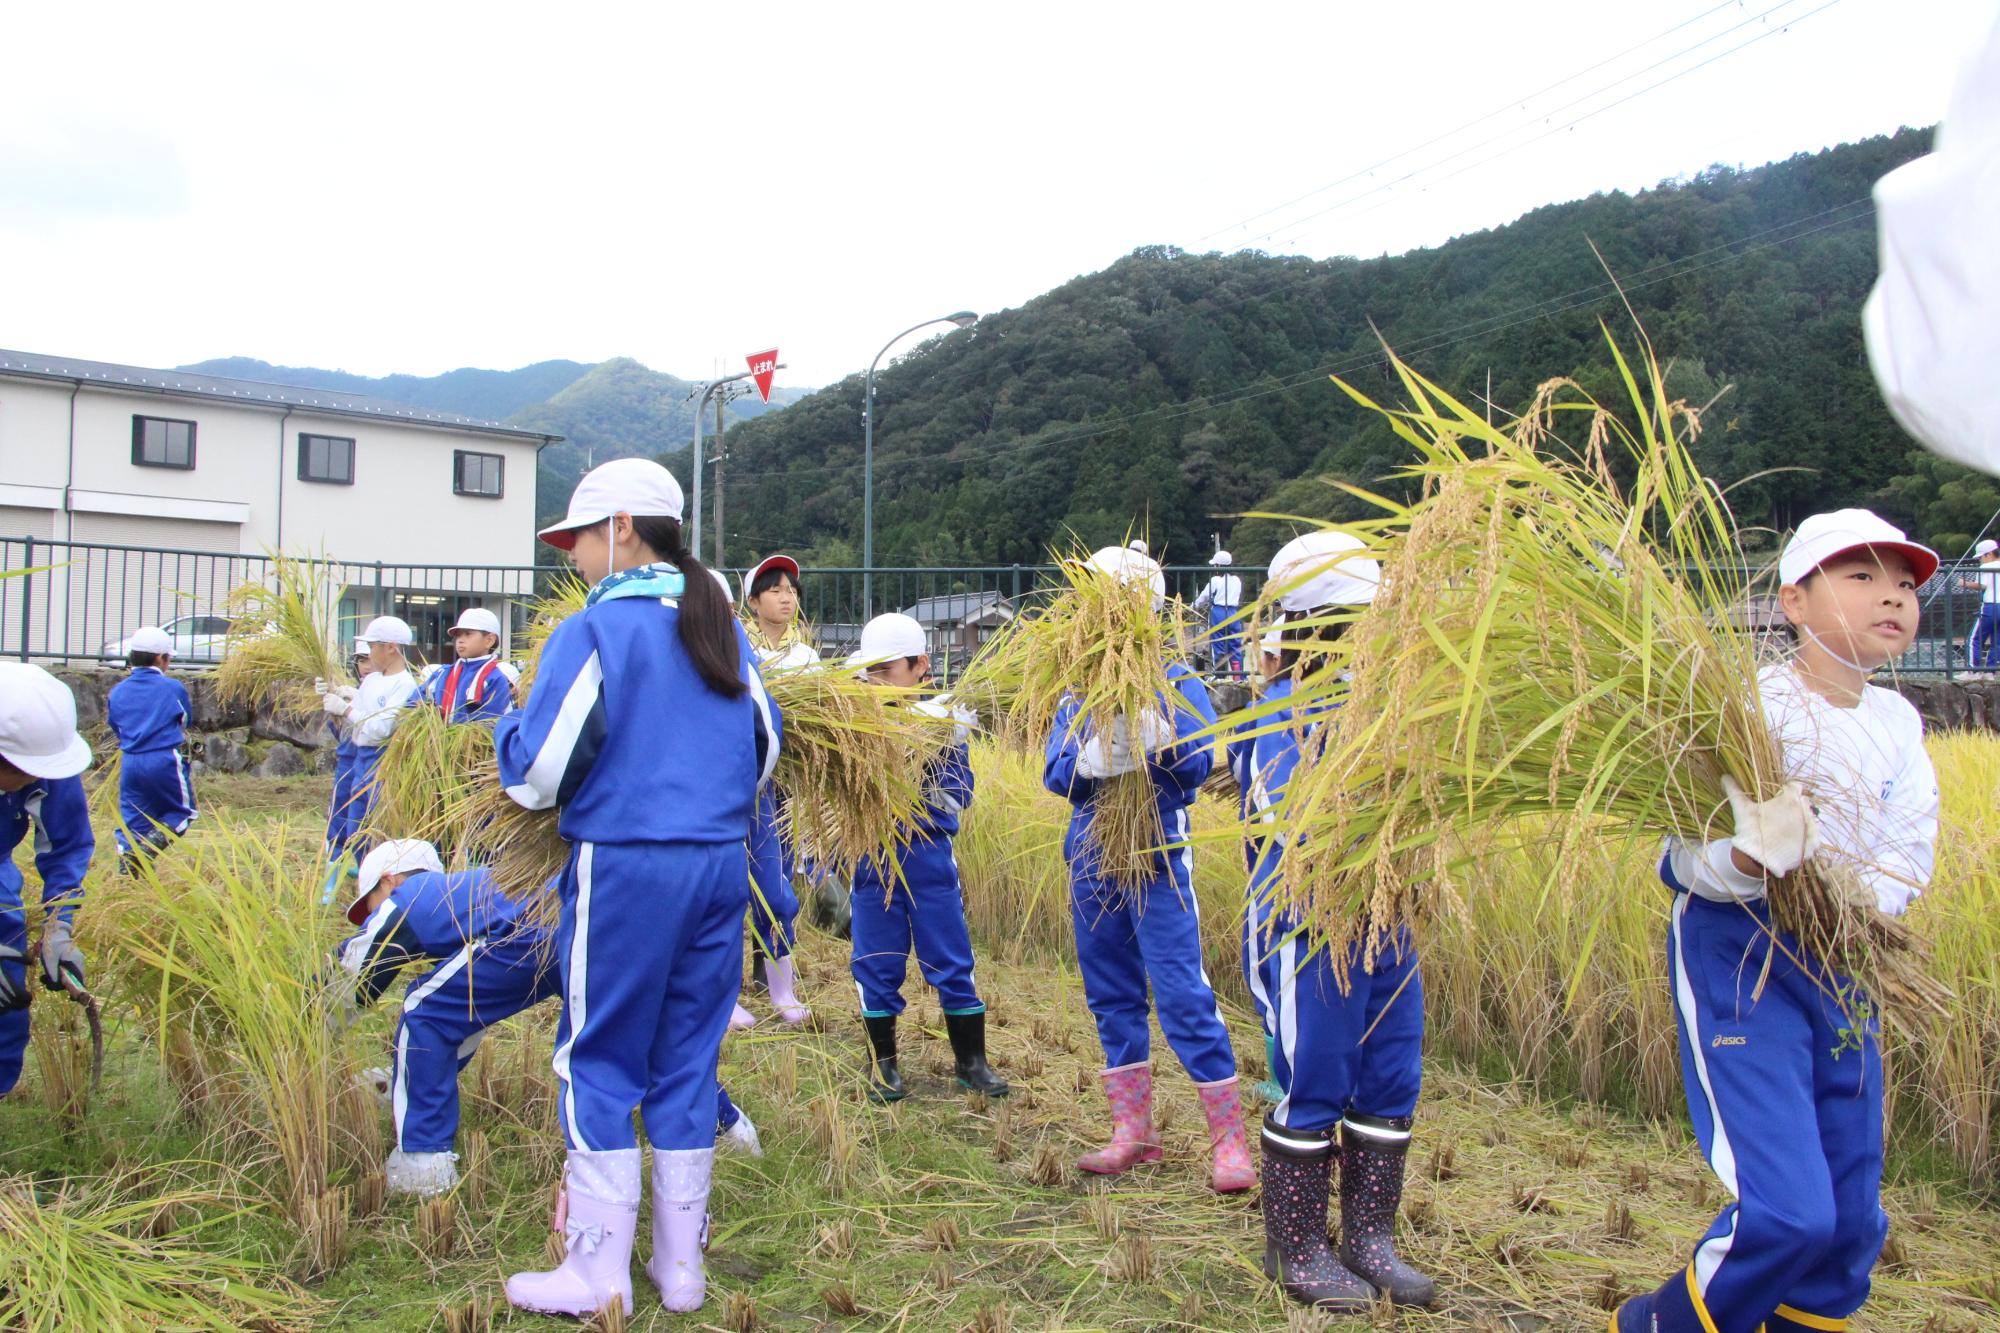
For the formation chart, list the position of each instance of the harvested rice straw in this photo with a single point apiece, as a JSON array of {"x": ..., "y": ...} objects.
[
  {"x": 427, "y": 768},
  {"x": 278, "y": 642},
  {"x": 565, "y": 599},
  {"x": 1100, "y": 642},
  {"x": 1553, "y": 637}
]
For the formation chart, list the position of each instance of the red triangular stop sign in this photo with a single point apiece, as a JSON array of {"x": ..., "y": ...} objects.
[{"x": 763, "y": 365}]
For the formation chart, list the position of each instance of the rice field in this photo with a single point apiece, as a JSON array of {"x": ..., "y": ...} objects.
[{"x": 1553, "y": 1172}]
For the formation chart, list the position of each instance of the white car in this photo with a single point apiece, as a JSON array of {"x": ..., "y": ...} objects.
[{"x": 197, "y": 639}]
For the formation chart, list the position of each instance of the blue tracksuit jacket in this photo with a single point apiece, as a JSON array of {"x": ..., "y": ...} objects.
[
  {"x": 63, "y": 845},
  {"x": 479, "y": 690}
]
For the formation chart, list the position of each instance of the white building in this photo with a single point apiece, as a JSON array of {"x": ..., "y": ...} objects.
[{"x": 101, "y": 463}]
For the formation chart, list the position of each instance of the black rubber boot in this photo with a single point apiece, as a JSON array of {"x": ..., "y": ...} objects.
[
  {"x": 1373, "y": 1150},
  {"x": 968, "y": 1050},
  {"x": 1298, "y": 1179},
  {"x": 885, "y": 1080},
  {"x": 758, "y": 980}
]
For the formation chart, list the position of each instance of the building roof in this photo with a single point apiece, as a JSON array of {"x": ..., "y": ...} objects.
[
  {"x": 957, "y": 608},
  {"x": 253, "y": 393}
]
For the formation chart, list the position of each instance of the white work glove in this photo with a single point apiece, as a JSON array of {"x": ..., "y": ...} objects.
[
  {"x": 1107, "y": 758},
  {"x": 1156, "y": 733},
  {"x": 62, "y": 961},
  {"x": 334, "y": 705},
  {"x": 1778, "y": 834}
]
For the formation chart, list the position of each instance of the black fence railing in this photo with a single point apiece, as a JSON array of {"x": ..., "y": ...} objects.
[{"x": 77, "y": 601}]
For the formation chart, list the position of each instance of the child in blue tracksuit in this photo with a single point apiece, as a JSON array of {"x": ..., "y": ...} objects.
[
  {"x": 1780, "y": 1055},
  {"x": 1132, "y": 939},
  {"x": 1348, "y": 1040},
  {"x": 1240, "y": 751},
  {"x": 477, "y": 686},
  {"x": 41, "y": 759},
  {"x": 650, "y": 731},
  {"x": 342, "y": 816},
  {"x": 920, "y": 903},
  {"x": 1221, "y": 600},
  {"x": 149, "y": 712},
  {"x": 486, "y": 965},
  {"x": 370, "y": 712}
]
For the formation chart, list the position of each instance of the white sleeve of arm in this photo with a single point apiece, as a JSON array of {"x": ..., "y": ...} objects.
[
  {"x": 1709, "y": 871},
  {"x": 376, "y": 714},
  {"x": 1906, "y": 838}
]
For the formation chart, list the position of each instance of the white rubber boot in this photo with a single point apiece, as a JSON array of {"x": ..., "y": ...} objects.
[
  {"x": 602, "y": 1193},
  {"x": 741, "y": 1137},
  {"x": 424, "y": 1174},
  {"x": 784, "y": 996}
]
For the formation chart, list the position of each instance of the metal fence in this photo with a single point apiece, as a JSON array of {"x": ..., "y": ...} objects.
[{"x": 75, "y": 601}]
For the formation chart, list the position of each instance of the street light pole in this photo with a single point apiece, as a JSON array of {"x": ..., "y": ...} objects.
[
  {"x": 707, "y": 391},
  {"x": 965, "y": 319}
]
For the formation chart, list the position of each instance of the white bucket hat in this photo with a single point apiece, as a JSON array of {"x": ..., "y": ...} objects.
[
  {"x": 399, "y": 856},
  {"x": 38, "y": 723},
  {"x": 636, "y": 486},
  {"x": 1324, "y": 568},
  {"x": 150, "y": 639},
  {"x": 888, "y": 637},
  {"x": 1222, "y": 558}
]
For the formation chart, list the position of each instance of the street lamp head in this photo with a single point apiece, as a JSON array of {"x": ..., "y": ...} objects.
[{"x": 965, "y": 319}]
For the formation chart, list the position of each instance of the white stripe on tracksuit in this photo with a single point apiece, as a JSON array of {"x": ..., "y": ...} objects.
[
  {"x": 400, "y": 1096},
  {"x": 1721, "y": 1156},
  {"x": 543, "y": 781},
  {"x": 577, "y": 975}
]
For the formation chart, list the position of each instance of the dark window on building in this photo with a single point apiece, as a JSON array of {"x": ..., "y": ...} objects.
[
  {"x": 477, "y": 474},
  {"x": 328, "y": 458},
  {"x": 161, "y": 442}
]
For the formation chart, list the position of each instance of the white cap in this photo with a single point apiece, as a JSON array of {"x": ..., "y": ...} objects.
[
  {"x": 888, "y": 637},
  {"x": 1138, "y": 544},
  {"x": 1985, "y": 548},
  {"x": 38, "y": 723},
  {"x": 1322, "y": 568},
  {"x": 636, "y": 486},
  {"x": 477, "y": 620},
  {"x": 1272, "y": 640},
  {"x": 1222, "y": 558},
  {"x": 1824, "y": 536},
  {"x": 149, "y": 639},
  {"x": 722, "y": 579},
  {"x": 361, "y": 647},
  {"x": 399, "y": 856},
  {"x": 1130, "y": 564},
  {"x": 784, "y": 562},
  {"x": 388, "y": 629}
]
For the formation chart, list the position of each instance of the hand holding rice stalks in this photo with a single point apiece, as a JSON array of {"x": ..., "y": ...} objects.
[
  {"x": 278, "y": 642},
  {"x": 1552, "y": 636},
  {"x": 1099, "y": 643}
]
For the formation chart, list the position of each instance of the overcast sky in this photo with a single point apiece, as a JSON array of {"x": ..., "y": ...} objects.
[{"x": 415, "y": 187}]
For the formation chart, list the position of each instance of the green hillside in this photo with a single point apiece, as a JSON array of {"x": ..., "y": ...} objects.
[
  {"x": 1176, "y": 389},
  {"x": 491, "y": 394}
]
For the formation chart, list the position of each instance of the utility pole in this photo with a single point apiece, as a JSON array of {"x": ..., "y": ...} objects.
[
  {"x": 699, "y": 394},
  {"x": 720, "y": 454}
]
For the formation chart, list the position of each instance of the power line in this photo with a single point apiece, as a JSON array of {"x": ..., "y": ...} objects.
[
  {"x": 1548, "y": 307},
  {"x": 1476, "y": 121},
  {"x": 1557, "y": 129}
]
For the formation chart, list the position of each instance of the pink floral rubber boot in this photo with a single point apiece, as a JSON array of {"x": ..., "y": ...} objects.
[
  {"x": 1129, "y": 1089},
  {"x": 1226, "y": 1140}
]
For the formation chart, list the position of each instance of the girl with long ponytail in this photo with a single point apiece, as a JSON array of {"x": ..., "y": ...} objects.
[{"x": 649, "y": 730}]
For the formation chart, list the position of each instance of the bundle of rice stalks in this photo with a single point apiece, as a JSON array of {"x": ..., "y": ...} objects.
[
  {"x": 1553, "y": 636},
  {"x": 565, "y": 598},
  {"x": 280, "y": 638},
  {"x": 852, "y": 764},
  {"x": 228, "y": 950},
  {"x": 1099, "y": 643},
  {"x": 83, "y": 1258},
  {"x": 428, "y": 768}
]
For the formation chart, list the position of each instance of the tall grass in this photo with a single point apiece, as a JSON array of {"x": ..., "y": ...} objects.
[
  {"x": 79, "y": 1256},
  {"x": 280, "y": 638},
  {"x": 227, "y": 952},
  {"x": 1502, "y": 982}
]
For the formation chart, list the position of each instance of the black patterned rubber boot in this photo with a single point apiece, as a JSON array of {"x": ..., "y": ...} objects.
[
  {"x": 885, "y": 1078},
  {"x": 1373, "y": 1150},
  {"x": 968, "y": 1050},
  {"x": 1298, "y": 1182}
]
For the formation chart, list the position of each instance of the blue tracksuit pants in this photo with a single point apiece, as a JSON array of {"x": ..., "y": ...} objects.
[
  {"x": 726, "y": 1114},
  {"x": 155, "y": 798},
  {"x": 774, "y": 907},
  {"x": 651, "y": 948},
  {"x": 445, "y": 1015},
  {"x": 1360, "y": 1053},
  {"x": 927, "y": 911},
  {"x": 1985, "y": 653},
  {"x": 1226, "y": 641},
  {"x": 1789, "y": 1114},
  {"x": 14, "y": 1023},
  {"x": 340, "y": 820},
  {"x": 1128, "y": 941},
  {"x": 361, "y": 797}
]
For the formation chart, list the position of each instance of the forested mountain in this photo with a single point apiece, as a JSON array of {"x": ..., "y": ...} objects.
[
  {"x": 492, "y": 394},
  {"x": 1174, "y": 389}
]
